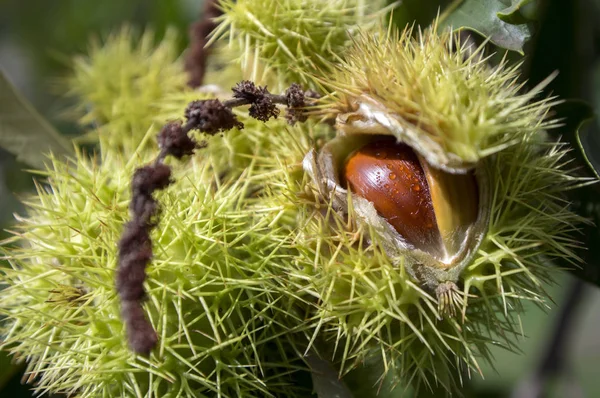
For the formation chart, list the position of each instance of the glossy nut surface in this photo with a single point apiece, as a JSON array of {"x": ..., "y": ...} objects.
[{"x": 389, "y": 175}]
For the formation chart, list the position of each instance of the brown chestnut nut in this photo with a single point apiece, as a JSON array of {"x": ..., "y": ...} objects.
[
  {"x": 390, "y": 176},
  {"x": 429, "y": 208}
]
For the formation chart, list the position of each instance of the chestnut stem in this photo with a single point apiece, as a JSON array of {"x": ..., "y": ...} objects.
[{"x": 235, "y": 102}]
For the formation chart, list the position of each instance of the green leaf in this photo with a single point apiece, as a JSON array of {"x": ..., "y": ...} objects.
[
  {"x": 24, "y": 132},
  {"x": 575, "y": 115},
  {"x": 588, "y": 141},
  {"x": 514, "y": 15},
  {"x": 366, "y": 381},
  {"x": 8, "y": 368},
  {"x": 484, "y": 17},
  {"x": 590, "y": 270},
  {"x": 326, "y": 382}
]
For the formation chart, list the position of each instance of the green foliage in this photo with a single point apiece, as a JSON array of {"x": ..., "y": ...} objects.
[
  {"x": 23, "y": 132},
  {"x": 9, "y": 369},
  {"x": 584, "y": 138},
  {"x": 586, "y": 135},
  {"x": 519, "y": 12},
  {"x": 325, "y": 379},
  {"x": 498, "y": 20}
]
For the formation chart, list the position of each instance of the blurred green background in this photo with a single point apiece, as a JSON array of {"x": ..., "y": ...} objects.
[{"x": 39, "y": 37}]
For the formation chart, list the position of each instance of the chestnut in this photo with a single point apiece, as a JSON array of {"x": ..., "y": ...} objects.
[
  {"x": 391, "y": 177},
  {"x": 431, "y": 209}
]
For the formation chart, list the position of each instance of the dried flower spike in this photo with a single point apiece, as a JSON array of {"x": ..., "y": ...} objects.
[
  {"x": 174, "y": 140},
  {"x": 211, "y": 117},
  {"x": 135, "y": 247},
  {"x": 135, "y": 253}
]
